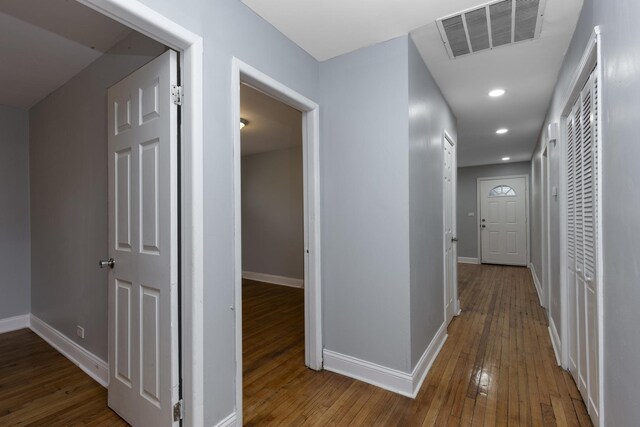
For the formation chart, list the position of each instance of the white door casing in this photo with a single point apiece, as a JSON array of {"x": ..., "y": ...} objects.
[
  {"x": 245, "y": 73},
  {"x": 503, "y": 220},
  {"x": 143, "y": 284},
  {"x": 449, "y": 233}
]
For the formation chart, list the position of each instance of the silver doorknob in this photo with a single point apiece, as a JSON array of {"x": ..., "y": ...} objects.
[{"x": 108, "y": 263}]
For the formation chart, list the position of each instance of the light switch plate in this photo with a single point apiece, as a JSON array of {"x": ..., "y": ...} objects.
[
  {"x": 80, "y": 332},
  {"x": 471, "y": 214}
]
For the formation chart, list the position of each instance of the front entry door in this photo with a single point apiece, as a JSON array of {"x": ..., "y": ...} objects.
[
  {"x": 503, "y": 221},
  {"x": 143, "y": 245}
]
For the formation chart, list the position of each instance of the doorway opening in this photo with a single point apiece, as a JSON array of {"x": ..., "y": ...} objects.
[
  {"x": 250, "y": 82},
  {"x": 503, "y": 232}
]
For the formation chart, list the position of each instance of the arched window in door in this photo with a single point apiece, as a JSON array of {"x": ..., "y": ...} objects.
[{"x": 502, "y": 191}]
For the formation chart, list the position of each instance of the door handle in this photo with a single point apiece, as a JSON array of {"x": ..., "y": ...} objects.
[
  {"x": 107, "y": 263},
  {"x": 484, "y": 226},
  {"x": 454, "y": 239}
]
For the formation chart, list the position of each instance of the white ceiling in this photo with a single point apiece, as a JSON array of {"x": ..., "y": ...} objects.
[
  {"x": 528, "y": 71},
  {"x": 272, "y": 126},
  {"x": 45, "y": 43}
]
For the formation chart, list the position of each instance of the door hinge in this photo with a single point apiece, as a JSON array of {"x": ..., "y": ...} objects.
[
  {"x": 176, "y": 94},
  {"x": 178, "y": 410}
]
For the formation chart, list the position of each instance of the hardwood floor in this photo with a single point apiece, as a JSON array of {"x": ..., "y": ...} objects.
[
  {"x": 40, "y": 387},
  {"x": 496, "y": 368}
]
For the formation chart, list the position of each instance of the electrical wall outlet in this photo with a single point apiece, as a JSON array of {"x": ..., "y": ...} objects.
[{"x": 80, "y": 332}]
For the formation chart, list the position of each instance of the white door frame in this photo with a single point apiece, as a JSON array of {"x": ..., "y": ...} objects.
[
  {"x": 147, "y": 21},
  {"x": 545, "y": 218},
  {"x": 447, "y": 138},
  {"x": 591, "y": 58},
  {"x": 244, "y": 73},
  {"x": 478, "y": 220}
]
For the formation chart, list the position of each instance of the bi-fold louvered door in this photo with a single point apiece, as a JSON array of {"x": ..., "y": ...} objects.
[{"x": 582, "y": 197}]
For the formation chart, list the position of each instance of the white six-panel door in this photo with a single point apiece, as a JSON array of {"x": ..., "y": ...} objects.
[
  {"x": 143, "y": 310},
  {"x": 503, "y": 220},
  {"x": 450, "y": 261}
]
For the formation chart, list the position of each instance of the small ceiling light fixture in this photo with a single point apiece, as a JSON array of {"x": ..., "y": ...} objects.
[
  {"x": 496, "y": 93},
  {"x": 502, "y": 131},
  {"x": 243, "y": 123},
  {"x": 504, "y": 159}
]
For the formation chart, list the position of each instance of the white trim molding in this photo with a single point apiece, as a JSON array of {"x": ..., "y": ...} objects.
[
  {"x": 428, "y": 357},
  {"x": 555, "y": 340},
  {"x": 14, "y": 323},
  {"x": 536, "y": 282},
  {"x": 230, "y": 420},
  {"x": 387, "y": 378},
  {"x": 468, "y": 260},
  {"x": 91, "y": 364},
  {"x": 273, "y": 279}
]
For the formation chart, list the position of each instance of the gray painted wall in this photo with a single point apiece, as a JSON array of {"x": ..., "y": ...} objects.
[
  {"x": 365, "y": 204},
  {"x": 620, "y": 197},
  {"x": 382, "y": 123},
  {"x": 429, "y": 117},
  {"x": 68, "y": 172},
  {"x": 14, "y": 212},
  {"x": 468, "y": 201},
  {"x": 273, "y": 213},
  {"x": 229, "y": 28}
]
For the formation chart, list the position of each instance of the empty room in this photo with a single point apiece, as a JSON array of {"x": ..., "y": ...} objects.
[
  {"x": 273, "y": 255},
  {"x": 239, "y": 212}
]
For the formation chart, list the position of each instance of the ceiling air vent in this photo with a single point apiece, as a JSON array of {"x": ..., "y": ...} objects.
[{"x": 495, "y": 24}]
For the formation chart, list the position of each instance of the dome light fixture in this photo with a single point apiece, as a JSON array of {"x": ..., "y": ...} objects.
[
  {"x": 504, "y": 159},
  {"x": 502, "y": 131},
  {"x": 496, "y": 93}
]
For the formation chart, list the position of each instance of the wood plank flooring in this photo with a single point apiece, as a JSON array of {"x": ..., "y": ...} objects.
[
  {"x": 40, "y": 387},
  {"x": 497, "y": 367}
]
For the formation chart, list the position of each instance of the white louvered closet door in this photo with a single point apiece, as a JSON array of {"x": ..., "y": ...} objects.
[{"x": 582, "y": 196}]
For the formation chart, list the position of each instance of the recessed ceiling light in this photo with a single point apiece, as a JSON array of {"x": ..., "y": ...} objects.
[
  {"x": 243, "y": 123},
  {"x": 502, "y": 131},
  {"x": 504, "y": 159},
  {"x": 497, "y": 93}
]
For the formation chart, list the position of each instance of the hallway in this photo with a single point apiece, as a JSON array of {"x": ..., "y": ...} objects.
[{"x": 496, "y": 368}]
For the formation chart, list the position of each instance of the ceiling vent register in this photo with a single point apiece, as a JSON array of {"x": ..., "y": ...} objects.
[{"x": 496, "y": 24}]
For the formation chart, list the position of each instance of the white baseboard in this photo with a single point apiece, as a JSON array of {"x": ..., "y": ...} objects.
[
  {"x": 14, "y": 323},
  {"x": 91, "y": 364},
  {"x": 555, "y": 340},
  {"x": 467, "y": 260},
  {"x": 428, "y": 357},
  {"x": 273, "y": 279},
  {"x": 387, "y": 378},
  {"x": 230, "y": 420},
  {"x": 536, "y": 282}
]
